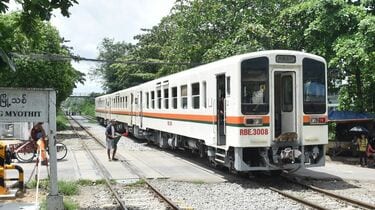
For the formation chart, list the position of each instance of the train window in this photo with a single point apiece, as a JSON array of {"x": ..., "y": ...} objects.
[
  {"x": 314, "y": 87},
  {"x": 195, "y": 95},
  {"x": 153, "y": 99},
  {"x": 166, "y": 97},
  {"x": 159, "y": 98},
  {"x": 147, "y": 100},
  {"x": 287, "y": 88},
  {"x": 255, "y": 86},
  {"x": 174, "y": 97},
  {"x": 184, "y": 96},
  {"x": 126, "y": 102},
  {"x": 204, "y": 94}
]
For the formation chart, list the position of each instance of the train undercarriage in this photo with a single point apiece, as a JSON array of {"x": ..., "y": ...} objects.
[{"x": 286, "y": 155}]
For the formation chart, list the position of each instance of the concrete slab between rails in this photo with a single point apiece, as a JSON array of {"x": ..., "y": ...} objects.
[
  {"x": 156, "y": 164},
  {"x": 334, "y": 171},
  {"x": 82, "y": 168},
  {"x": 159, "y": 164},
  {"x": 116, "y": 169}
]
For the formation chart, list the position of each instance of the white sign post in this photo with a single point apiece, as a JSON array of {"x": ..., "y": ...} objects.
[{"x": 35, "y": 105}]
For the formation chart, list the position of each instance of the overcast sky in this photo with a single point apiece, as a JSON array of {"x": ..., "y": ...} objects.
[{"x": 92, "y": 20}]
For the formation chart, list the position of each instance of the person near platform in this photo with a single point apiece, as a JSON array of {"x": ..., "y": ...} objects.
[
  {"x": 39, "y": 135},
  {"x": 362, "y": 143},
  {"x": 111, "y": 140}
]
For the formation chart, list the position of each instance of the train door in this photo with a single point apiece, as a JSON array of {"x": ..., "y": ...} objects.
[
  {"x": 284, "y": 102},
  {"x": 138, "y": 109},
  {"x": 221, "y": 109}
]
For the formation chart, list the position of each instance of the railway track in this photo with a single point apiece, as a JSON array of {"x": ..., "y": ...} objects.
[
  {"x": 311, "y": 196},
  {"x": 142, "y": 197},
  {"x": 316, "y": 197}
]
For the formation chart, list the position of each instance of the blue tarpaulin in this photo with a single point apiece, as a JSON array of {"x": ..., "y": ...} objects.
[{"x": 334, "y": 116}]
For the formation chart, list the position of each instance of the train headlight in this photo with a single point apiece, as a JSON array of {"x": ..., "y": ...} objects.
[
  {"x": 318, "y": 120},
  {"x": 257, "y": 121}
]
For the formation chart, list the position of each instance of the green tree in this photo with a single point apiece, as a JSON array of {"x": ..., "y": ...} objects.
[
  {"x": 34, "y": 10},
  {"x": 198, "y": 31},
  {"x": 59, "y": 75},
  {"x": 40, "y": 8},
  {"x": 111, "y": 52},
  {"x": 343, "y": 33}
]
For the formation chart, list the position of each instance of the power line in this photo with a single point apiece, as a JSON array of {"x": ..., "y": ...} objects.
[{"x": 57, "y": 57}]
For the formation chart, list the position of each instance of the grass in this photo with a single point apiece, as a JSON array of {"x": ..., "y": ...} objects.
[
  {"x": 86, "y": 182},
  {"x": 43, "y": 184},
  {"x": 68, "y": 205},
  {"x": 197, "y": 182},
  {"x": 61, "y": 121},
  {"x": 67, "y": 188},
  {"x": 137, "y": 183}
]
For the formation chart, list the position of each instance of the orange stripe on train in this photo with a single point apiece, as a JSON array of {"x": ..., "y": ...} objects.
[{"x": 190, "y": 117}]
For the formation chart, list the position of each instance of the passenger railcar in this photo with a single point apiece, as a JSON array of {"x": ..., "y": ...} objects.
[{"x": 258, "y": 111}]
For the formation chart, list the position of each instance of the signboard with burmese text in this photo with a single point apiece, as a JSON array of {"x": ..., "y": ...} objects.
[{"x": 25, "y": 104}]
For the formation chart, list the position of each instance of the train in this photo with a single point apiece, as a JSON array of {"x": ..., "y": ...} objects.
[{"x": 258, "y": 111}]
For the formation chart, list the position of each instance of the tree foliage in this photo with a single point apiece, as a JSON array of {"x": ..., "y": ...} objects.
[
  {"x": 59, "y": 75},
  {"x": 34, "y": 10},
  {"x": 40, "y": 9},
  {"x": 111, "y": 51},
  {"x": 200, "y": 31}
]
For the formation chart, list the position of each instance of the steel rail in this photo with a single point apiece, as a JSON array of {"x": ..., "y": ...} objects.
[
  {"x": 172, "y": 205},
  {"x": 107, "y": 181},
  {"x": 350, "y": 200},
  {"x": 343, "y": 198},
  {"x": 300, "y": 200}
]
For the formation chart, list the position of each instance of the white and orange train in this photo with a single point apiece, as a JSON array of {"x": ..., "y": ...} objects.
[{"x": 261, "y": 111}]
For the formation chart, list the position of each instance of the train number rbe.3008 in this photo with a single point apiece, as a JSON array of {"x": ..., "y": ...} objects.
[{"x": 253, "y": 131}]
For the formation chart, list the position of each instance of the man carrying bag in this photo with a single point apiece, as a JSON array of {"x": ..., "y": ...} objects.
[{"x": 111, "y": 140}]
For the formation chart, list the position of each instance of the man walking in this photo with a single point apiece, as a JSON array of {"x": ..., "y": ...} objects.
[{"x": 111, "y": 140}]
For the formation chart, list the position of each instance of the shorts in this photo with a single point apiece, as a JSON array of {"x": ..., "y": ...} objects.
[
  {"x": 109, "y": 143},
  {"x": 112, "y": 143}
]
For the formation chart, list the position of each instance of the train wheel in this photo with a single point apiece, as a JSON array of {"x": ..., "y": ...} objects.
[{"x": 211, "y": 162}]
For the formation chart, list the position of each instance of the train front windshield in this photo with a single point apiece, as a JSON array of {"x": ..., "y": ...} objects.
[
  {"x": 255, "y": 86},
  {"x": 314, "y": 87}
]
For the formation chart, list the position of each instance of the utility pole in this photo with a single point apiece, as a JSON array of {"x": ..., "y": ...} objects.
[{"x": 6, "y": 60}]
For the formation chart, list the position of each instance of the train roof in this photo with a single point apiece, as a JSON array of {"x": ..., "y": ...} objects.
[{"x": 232, "y": 59}]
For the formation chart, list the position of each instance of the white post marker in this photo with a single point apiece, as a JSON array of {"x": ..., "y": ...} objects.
[{"x": 35, "y": 105}]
